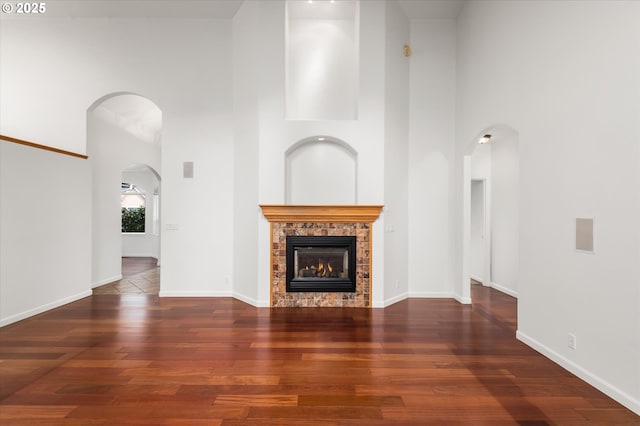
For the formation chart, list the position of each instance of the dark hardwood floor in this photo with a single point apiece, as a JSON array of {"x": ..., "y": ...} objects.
[{"x": 142, "y": 360}]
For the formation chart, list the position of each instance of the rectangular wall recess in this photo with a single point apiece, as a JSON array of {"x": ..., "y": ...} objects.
[{"x": 584, "y": 234}]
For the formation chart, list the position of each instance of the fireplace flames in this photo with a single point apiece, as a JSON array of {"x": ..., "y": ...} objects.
[{"x": 319, "y": 271}]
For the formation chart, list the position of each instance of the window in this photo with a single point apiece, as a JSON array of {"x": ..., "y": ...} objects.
[{"x": 133, "y": 205}]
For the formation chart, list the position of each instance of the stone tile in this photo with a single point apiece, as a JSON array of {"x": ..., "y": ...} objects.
[{"x": 279, "y": 296}]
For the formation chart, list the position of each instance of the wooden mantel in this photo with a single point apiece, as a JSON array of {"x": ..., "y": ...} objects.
[{"x": 325, "y": 214}]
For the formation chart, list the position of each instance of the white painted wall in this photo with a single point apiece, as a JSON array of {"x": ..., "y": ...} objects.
[
  {"x": 185, "y": 70},
  {"x": 481, "y": 162},
  {"x": 477, "y": 231},
  {"x": 322, "y": 69},
  {"x": 247, "y": 214},
  {"x": 145, "y": 244},
  {"x": 396, "y": 157},
  {"x": 571, "y": 92},
  {"x": 431, "y": 151},
  {"x": 45, "y": 218},
  {"x": 321, "y": 172},
  {"x": 505, "y": 182}
]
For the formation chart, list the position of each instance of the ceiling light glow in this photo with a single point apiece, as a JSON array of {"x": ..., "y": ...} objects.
[{"x": 484, "y": 139}]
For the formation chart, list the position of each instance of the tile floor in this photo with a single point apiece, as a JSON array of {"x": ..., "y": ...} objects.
[{"x": 139, "y": 276}]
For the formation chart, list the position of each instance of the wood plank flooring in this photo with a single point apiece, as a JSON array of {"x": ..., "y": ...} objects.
[{"x": 142, "y": 360}]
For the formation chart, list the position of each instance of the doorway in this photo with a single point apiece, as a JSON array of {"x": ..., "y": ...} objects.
[
  {"x": 123, "y": 136},
  {"x": 480, "y": 247},
  {"x": 490, "y": 243}
]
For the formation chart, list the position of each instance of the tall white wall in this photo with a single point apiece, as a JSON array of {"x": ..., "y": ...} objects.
[
  {"x": 184, "y": 67},
  {"x": 505, "y": 195},
  {"x": 322, "y": 69},
  {"x": 571, "y": 92},
  {"x": 431, "y": 152},
  {"x": 247, "y": 214},
  {"x": 396, "y": 150},
  {"x": 45, "y": 218}
]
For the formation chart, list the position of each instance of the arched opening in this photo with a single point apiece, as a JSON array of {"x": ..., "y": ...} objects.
[
  {"x": 491, "y": 211},
  {"x": 123, "y": 143},
  {"x": 321, "y": 170}
]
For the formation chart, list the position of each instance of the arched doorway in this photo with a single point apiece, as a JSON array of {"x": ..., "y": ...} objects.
[
  {"x": 123, "y": 130},
  {"x": 491, "y": 171}
]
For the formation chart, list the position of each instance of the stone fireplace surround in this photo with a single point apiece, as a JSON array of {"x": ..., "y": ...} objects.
[{"x": 355, "y": 220}]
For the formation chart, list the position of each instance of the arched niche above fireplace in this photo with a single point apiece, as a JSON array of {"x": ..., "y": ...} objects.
[{"x": 321, "y": 170}]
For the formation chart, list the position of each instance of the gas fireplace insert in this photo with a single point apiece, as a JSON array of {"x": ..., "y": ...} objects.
[{"x": 321, "y": 263}]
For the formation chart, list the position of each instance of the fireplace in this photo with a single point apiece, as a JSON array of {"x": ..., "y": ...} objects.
[
  {"x": 321, "y": 263},
  {"x": 354, "y": 222}
]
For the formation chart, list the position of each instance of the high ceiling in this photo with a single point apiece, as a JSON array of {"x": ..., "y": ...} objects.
[
  {"x": 431, "y": 9},
  {"x": 220, "y": 9},
  {"x": 216, "y": 9}
]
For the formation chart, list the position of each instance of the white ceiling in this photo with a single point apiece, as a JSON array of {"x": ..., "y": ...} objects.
[
  {"x": 221, "y": 9},
  {"x": 431, "y": 9},
  {"x": 321, "y": 9},
  {"x": 216, "y": 9}
]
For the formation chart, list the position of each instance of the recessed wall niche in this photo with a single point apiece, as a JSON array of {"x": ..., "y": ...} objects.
[
  {"x": 321, "y": 60},
  {"x": 320, "y": 171}
]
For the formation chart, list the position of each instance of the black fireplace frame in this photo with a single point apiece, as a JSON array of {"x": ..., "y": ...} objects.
[{"x": 314, "y": 284}]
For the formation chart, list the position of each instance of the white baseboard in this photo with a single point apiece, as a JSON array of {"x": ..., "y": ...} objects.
[
  {"x": 390, "y": 301},
  {"x": 106, "y": 281},
  {"x": 251, "y": 301},
  {"x": 505, "y": 290},
  {"x": 154, "y": 255},
  {"x": 477, "y": 278},
  {"x": 431, "y": 294},
  {"x": 241, "y": 297},
  {"x": 195, "y": 294},
  {"x": 46, "y": 307},
  {"x": 622, "y": 397},
  {"x": 463, "y": 300}
]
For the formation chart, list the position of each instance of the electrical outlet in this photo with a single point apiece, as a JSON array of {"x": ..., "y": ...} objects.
[
  {"x": 571, "y": 342},
  {"x": 397, "y": 284}
]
